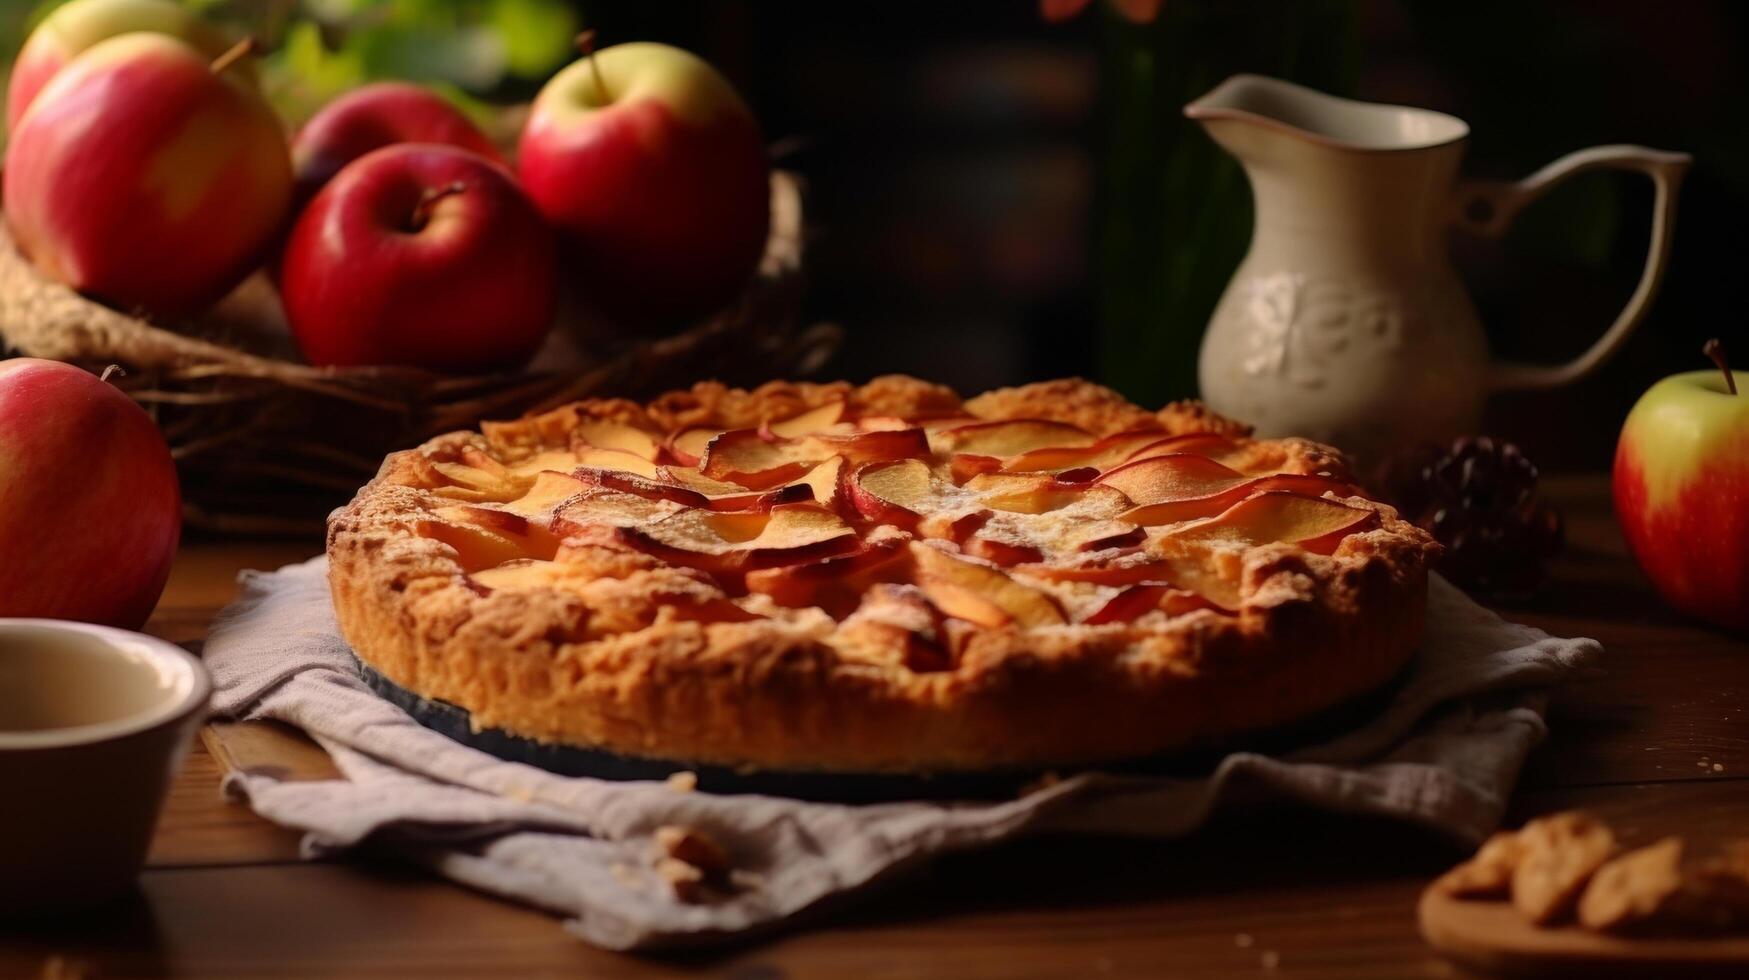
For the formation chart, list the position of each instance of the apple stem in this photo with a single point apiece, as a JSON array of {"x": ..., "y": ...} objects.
[
  {"x": 112, "y": 370},
  {"x": 1716, "y": 351},
  {"x": 428, "y": 200},
  {"x": 237, "y": 52},
  {"x": 586, "y": 46}
]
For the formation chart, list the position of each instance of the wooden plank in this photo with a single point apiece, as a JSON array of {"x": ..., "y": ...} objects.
[
  {"x": 1679, "y": 712},
  {"x": 204, "y": 576},
  {"x": 267, "y": 748},
  {"x": 199, "y": 827},
  {"x": 1329, "y": 896},
  {"x": 1672, "y": 692}
]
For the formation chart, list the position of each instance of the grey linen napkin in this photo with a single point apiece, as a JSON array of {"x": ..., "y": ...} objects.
[{"x": 1444, "y": 752}]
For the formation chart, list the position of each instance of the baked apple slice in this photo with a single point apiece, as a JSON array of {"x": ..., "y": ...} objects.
[
  {"x": 691, "y": 488},
  {"x": 980, "y": 594},
  {"x": 485, "y": 536},
  {"x": 1000, "y": 552},
  {"x": 1040, "y": 493},
  {"x": 1130, "y": 569},
  {"x": 824, "y": 481},
  {"x": 835, "y": 584},
  {"x": 1192, "y": 508},
  {"x": 964, "y": 467},
  {"x": 1101, "y": 455},
  {"x": 906, "y": 494},
  {"x": 899, "y": 618},
  {"x": 477, "y": 475},
  {"x": 874, "y": 445},
  {"x": 883, "y": 423},
  {"x": 746, "y": 457},
  {"x": 1185, "y": 573},
  {"x": 1195, "y": 443},
  {"x": 956, "y": 525},
  {"x": 1306, "y": 485},
  {"x": 526, "y": 573},
  {"x": 649, "y": 489},
  {"x": 1107, "y": 535},
  {"x": 617, "y": 435},
  {"x": 896, "y": 492},
  {"x": 1008, "y": 438},
  {"x": 530, "y": 573},
  {"x": 458, "y": 480},
  {"x": 734, "y": 541},
  {"x": 1145, "y": 597},
  {"x": 546, "y": 494},
  {"x": 1316, "y": 524},
  {"x": 599, "y": 507},
  {"x": 819, "y": 485},
  {"x": 556, "y": 460},
  {"x": 687, "y": 446},
  {"x": 1172, "y": 478},
  {"x": 617, "y": 460},
  {"x": 809, "y": 422},
  {"x": 479, "y": 459}
]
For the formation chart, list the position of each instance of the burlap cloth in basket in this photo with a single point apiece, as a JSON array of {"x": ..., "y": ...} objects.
[{"x": 1443, "y": 752}]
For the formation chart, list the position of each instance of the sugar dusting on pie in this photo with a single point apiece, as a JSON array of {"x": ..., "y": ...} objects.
[{"x": 877, "y": 578}]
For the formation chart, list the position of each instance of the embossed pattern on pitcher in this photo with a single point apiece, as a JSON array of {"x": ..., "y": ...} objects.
[{"x": 1300, "y": 325}]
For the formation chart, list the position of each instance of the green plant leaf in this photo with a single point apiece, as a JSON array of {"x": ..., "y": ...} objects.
[{"x": 537, "y": 35}]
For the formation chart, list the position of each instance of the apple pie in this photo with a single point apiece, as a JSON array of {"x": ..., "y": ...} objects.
[{"x": 880, "y": 578}]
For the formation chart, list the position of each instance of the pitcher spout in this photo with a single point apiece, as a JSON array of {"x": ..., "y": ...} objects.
[{"x": 1298, "y": 112}]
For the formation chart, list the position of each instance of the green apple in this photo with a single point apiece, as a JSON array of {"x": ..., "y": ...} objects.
[
  {"x": 1682, "y": 491},
  {"x": 79, "y": 25}
]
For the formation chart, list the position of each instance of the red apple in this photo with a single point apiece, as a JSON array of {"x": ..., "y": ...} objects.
[
  {"x": 372, "y": 117},
  {"x": 420, "y": 255},
  {"x": 144, "y": 177},
  {"x": 72, "y": 28},
  {"x": 1682, "y": 491},
  {"x": 654, "y": 171},
  {"x": 90, "y": 511}
]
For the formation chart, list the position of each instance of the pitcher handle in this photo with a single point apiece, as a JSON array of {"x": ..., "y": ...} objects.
[{"x": 1487, "y": 209}]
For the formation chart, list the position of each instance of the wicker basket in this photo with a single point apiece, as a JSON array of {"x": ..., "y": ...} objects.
[{"x": 267, "y": 444}]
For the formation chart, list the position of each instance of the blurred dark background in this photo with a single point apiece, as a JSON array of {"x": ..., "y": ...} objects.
[
  {"x": 997, "y": 198},
  {"x": 968, "y": 171}
]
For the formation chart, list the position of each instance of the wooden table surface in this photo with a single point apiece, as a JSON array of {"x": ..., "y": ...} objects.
[{"x": 1658, "y": 742}]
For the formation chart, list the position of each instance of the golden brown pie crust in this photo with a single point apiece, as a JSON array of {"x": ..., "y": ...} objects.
[{"x": 623, "y": 652}]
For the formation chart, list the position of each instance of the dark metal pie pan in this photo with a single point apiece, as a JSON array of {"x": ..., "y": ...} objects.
[{"x": 570, "y": 760}]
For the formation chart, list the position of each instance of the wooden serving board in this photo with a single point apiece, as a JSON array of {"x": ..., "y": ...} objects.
[{"x": 1492, "y": 935}]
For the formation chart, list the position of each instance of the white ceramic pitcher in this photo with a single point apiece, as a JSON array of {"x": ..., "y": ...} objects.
[{"x": 1346, "y": 321}]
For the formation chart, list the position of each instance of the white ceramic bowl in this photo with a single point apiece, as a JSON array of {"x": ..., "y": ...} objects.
[{"x": 94, "y": 722}]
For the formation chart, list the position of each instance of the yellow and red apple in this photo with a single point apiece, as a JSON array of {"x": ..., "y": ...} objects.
[
  {"x": 374, "y": 116},
  {"x": 426, "y": 256},
  {"x": 1682, "y": 491},
  {"x": 71, "y": 29},
  {"x": 90, "y": 509},
  {"x": 654, "y": 172},
  {"x": 143, "y": 176}
]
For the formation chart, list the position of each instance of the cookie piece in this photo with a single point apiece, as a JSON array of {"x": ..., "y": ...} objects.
[
  {"x": 1489, "y": 873},
  {"x": 1560, "y": 854}
]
